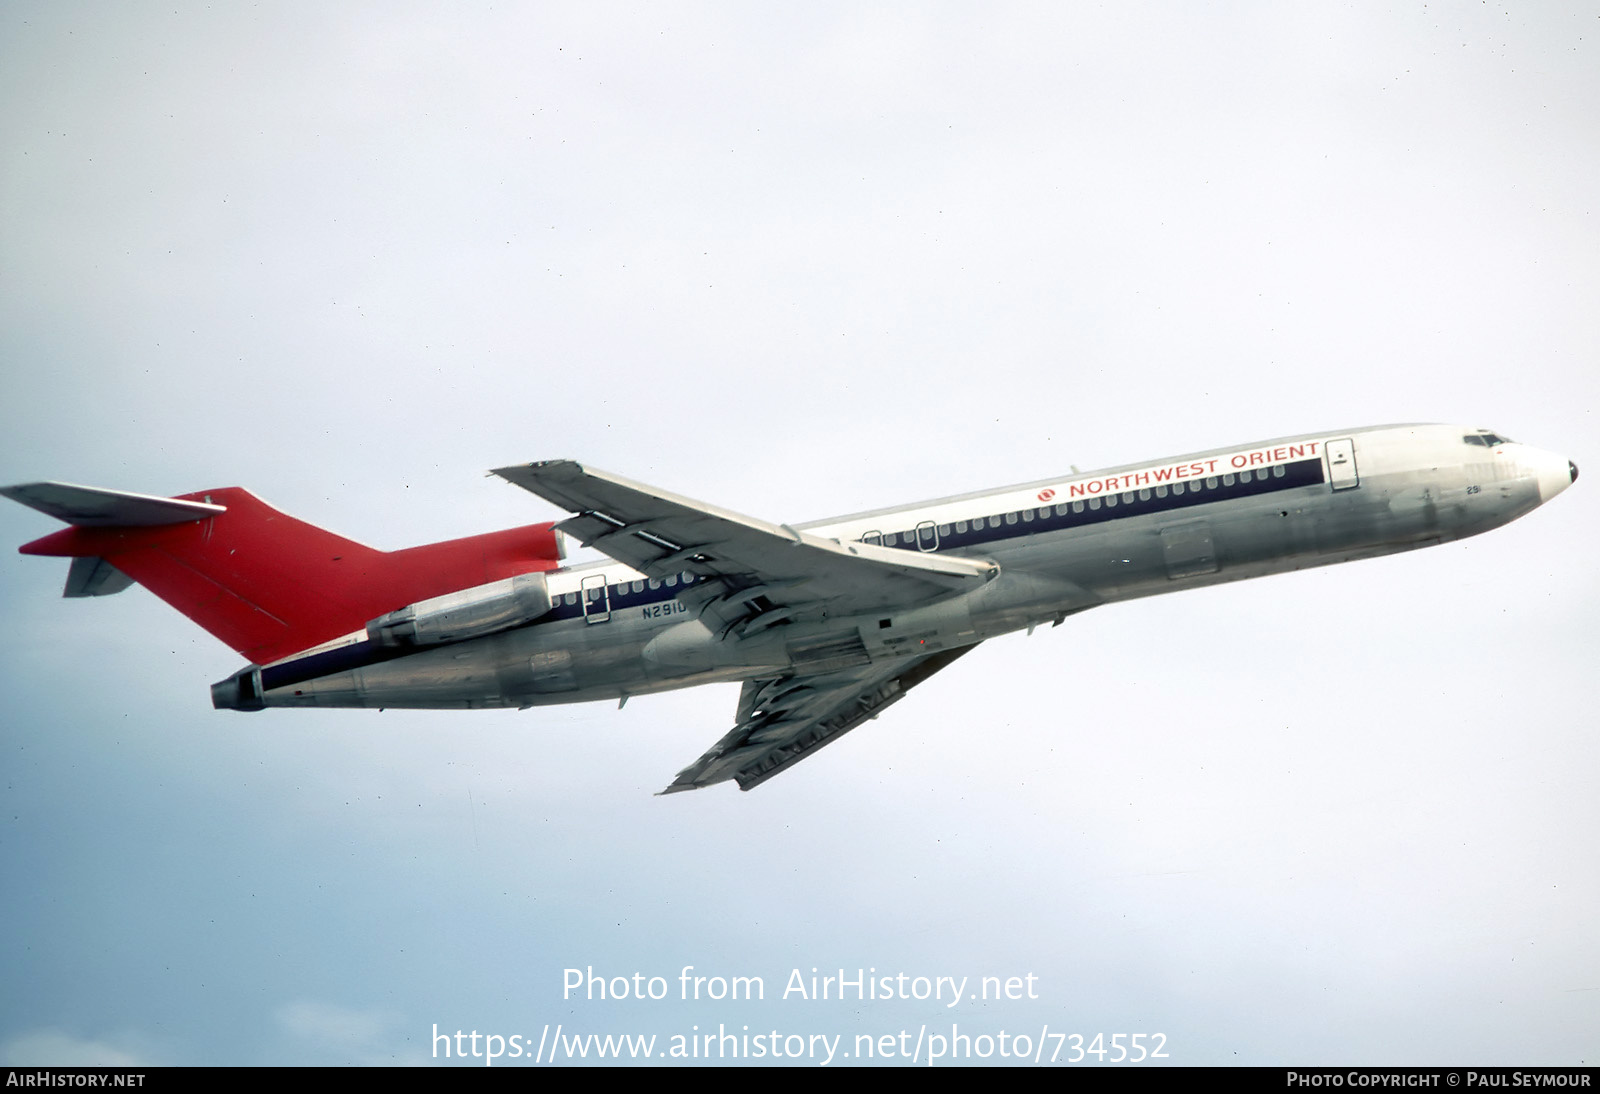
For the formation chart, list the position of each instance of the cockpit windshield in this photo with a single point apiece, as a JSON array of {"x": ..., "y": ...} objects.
[{"x": 1488, "y": 440}]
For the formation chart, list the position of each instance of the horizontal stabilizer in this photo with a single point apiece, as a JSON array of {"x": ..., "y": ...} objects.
[{"x": 92, "y": 507}]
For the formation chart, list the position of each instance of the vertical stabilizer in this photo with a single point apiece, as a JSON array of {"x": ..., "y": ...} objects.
[{"x": 263, "y": 582}]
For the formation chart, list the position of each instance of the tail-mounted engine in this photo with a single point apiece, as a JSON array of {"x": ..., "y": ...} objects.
[{"x": 470, "y": 613}]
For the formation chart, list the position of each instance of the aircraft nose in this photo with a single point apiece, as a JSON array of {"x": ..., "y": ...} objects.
[{"x": 1554, "y": 472}]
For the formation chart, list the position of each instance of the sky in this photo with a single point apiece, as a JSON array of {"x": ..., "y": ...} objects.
[{"x": 799, "y": 262}]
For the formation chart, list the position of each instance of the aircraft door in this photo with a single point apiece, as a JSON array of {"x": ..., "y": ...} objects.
[
  {"x": 596, "y": 599},
  {"x": 1342, "y": 464},
  {"x": 1188, "y": 550},
  {"x": 927, "y": 536}
]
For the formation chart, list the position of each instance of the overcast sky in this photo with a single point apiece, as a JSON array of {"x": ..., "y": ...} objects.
[{"x": 800, "y": 261}]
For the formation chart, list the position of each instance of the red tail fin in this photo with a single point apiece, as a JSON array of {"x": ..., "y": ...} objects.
[{"x": 265, "y": 583}]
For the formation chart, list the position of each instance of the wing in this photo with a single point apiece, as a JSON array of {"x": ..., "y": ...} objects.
[
  {"x": 756, "y": 575},
  {"x": 760, "y": 574},
  {"x": 784, "y": 719}
]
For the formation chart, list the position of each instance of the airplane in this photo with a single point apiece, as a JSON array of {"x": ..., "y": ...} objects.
[{"x": 826, "y": 624}]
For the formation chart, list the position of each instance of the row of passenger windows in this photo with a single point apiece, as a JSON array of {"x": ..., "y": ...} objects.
[
  {"x": 1109, "y": 501},
  {"x": 979, "y": 524},
  {"x": 685, "y": 578}
]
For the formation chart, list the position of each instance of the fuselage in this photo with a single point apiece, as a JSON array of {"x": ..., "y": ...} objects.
[{"x": 1060, "y": 546}]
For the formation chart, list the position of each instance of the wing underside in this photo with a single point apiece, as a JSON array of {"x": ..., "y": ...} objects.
[{"x": 784, "y": 719}]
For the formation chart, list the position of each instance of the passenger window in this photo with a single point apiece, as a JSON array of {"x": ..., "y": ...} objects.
[
  {"x": 1011, "y": 518},
  {"x": 1144, "y": 495},
  {"x": 1244, "y": 476},
  {"x": 1094, "y": 503},
  {"x": 1177, "y": 488},
  {"x": 672, "y": 581},
  {"x": 890, "y": 540},
  {"x": 961, "y": 526},
  {"x": 1027, "y": 516},
  {"x": 1077, "y": 507},
  {"x": 1229, "y": 479},
  {"x": 1161, "y": 491},
  {"x": 977, "y": 524},
  {"x": 1278, "y": 472},
  {"x": 1211, "y": 483},
  {"x": 655, "y": 583},
  {"x": 944, "y": 529},
  {"x": 571, "y": 598},
  {"x": 1111, "y": 501},
  {"x": 1061, "y": 510}
]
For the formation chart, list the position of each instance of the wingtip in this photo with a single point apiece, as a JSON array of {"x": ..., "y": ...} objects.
[{"x": 519, "y": 474}]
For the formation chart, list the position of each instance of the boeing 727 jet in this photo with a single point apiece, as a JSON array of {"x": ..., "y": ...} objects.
[{"x": 826, "y": 624}]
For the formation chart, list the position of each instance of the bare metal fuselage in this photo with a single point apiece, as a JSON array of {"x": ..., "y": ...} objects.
[{"x": 1060, "y": 546}]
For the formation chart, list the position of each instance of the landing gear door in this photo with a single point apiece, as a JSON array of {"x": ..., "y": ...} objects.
[
  {"x": 1342, "y": 464},
  {"x": 596, "y": 599},
  {"x": 1188, "y": 550}
]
